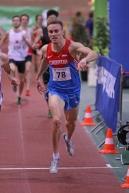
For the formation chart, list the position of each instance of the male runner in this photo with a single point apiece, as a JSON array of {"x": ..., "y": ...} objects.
[
  {"x": 17, "y": 41},
  {"x": 64, "y": 84}
]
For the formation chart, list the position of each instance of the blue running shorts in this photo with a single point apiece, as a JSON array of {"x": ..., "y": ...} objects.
[{"x": 71, "y": 100}]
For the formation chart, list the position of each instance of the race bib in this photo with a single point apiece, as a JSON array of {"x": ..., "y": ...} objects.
[
  {"x": 17, "y": 46},
  {"x": 61, "y": 74}
]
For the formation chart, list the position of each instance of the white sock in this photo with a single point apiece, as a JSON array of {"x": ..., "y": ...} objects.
[{"x": 56, "y": 155}]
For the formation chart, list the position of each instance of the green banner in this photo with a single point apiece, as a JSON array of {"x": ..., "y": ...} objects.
[
  {"x": 101, "y": 34},
  {"x": 100, "y": 11},
  {"x": 6, "y": 14},
  {"x": 100, "y": 8}
]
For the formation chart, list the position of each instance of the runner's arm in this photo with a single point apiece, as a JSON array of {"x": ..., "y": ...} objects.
[
  {"x": 37, "y": 39},
  {"x": 3, "y": 39},
  {"x": 6, "y": 67},
  {"x": 4, "y": 62},
  {"x": 27, "y": 41},
  {"x": 87, "y": 55},
  {"x": 44, "y": 65}
]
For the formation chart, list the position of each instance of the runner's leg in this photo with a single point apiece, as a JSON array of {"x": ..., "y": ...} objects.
[
  {"x": 56, "y": 105},
  {"x": 71, "y": 117},
  {"x": 28, "y": 65}
]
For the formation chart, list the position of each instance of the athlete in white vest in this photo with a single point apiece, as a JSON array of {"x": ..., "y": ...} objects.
[
  {"x": 17, "y": 41},
  {"x": 16, "y": 47}
]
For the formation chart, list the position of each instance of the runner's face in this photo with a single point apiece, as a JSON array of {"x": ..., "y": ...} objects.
[
  {"x": 39, "y": 20},
  {"x": 16, "y": 22},
  {"x": 55, "y": 32},
  {"x": 24, "y": 20}
]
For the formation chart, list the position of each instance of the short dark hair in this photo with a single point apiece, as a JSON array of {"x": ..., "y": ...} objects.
[
  {"x": 52, "y": 12},
  {"x": 78, "y": 13},
  {"x": 15, "y": 16},
  {"x": 26, "y": 15},
  {"x": 55, "y": 22},
  {"x": 91, "y": 14},
  {"x": 36, "y": 17}
]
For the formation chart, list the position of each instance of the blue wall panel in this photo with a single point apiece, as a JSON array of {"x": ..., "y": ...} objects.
[{"x": 119, "y": 31}]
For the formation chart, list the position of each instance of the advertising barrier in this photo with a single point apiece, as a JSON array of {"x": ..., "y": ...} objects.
[{"x": 108, "y": 90}]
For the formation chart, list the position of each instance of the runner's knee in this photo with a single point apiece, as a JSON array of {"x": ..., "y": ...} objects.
[
  {"x": 57, "y": 123},
  {"x": 70, "y": 124},
  {"x": 12, "y": 67},
  {"x": 27, "y": 70},
  {"x": 22, "y": 80}
]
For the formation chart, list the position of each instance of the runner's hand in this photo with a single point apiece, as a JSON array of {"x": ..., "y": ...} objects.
[
  {"x": 82, "y": 65},
  {"x": 40, "y": 87}
]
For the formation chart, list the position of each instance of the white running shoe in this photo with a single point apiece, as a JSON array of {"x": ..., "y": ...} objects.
[
  {"x": 54, "y": 166},
  {"x": 69, "y": 145}
]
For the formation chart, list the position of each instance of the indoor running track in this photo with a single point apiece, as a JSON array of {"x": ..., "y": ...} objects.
[{"x": 25, "y": 153}]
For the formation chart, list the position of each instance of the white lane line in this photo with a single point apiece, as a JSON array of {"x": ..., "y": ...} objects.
[
  {"x": 26, "y": 187},
  {"x": 20, "y": 130},
  {"x": 61, "y": 168},
  {"x": 109, "y": 165}
]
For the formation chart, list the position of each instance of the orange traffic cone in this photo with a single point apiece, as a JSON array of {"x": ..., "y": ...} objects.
[
  {"x": 126, "y": 183},
  {"x": 88, "y": 120},
  {"x": 109, "y": 146}
]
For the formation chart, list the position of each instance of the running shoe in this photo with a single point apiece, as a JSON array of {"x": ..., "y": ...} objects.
[
  {"x": 14, "y": 87},
  {"x": 69, "y": 145},
  {"x": 18, "y": 100},
  {"x": 54, "y": 166}
]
